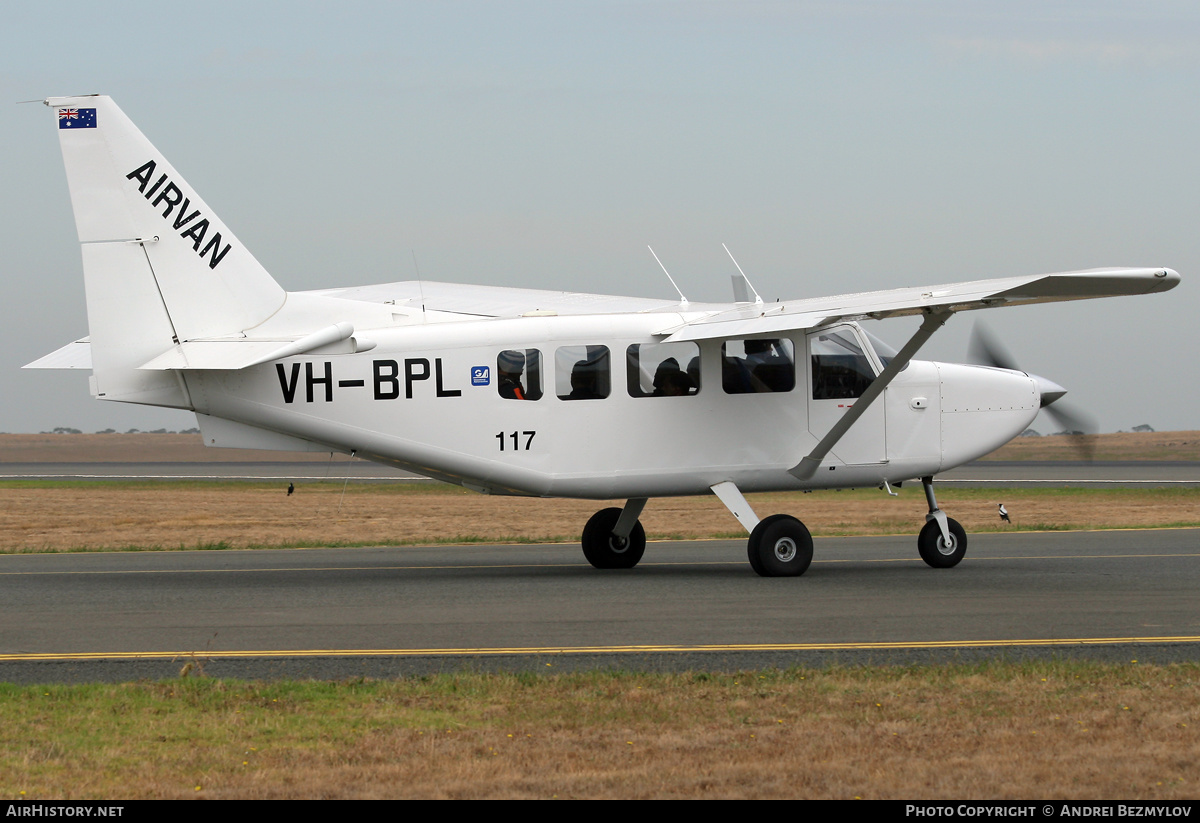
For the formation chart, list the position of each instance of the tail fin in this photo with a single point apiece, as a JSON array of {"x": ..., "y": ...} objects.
[{"x": 159, "y": 266}]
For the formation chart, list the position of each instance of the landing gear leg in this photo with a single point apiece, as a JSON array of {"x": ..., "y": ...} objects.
[
  {"x": 613, "y": 538},
  {"x": 943, "y": 541},
  {"x": 779, "y": 546}
]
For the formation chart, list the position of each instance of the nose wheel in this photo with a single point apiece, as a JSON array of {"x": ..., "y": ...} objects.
[
  {"x": 942, "y": 542},
  {"x": 934, "y": 548}
]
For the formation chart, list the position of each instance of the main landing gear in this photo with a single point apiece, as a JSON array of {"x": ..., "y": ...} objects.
[{"x": 780, "y": 545}]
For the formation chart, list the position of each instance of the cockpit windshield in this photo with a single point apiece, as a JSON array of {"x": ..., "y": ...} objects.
[{"x": 883, "y": 350}]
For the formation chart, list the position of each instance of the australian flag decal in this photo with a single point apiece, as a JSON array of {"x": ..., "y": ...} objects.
[{"x": 77, "y": 118}]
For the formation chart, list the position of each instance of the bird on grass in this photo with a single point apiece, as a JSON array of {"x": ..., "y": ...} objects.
[
  {"x": 1004, "y": 514},
  {"x": 291, "y": 488}
]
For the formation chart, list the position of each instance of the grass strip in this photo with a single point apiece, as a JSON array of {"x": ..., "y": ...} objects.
[
  {"x": 1051, "y": 729},
  {"x": 67, "y": 516}
]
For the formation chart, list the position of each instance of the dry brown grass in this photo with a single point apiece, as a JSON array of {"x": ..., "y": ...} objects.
[
  {"x": 74, "y": 516},
  {"x": 189, "y": 448},
  {"x": 1001, "y": 731},
  {"x": 133, "y": 448},
  {"x": 1119, "y": 446},
  {"x": 107, "y": 515}
]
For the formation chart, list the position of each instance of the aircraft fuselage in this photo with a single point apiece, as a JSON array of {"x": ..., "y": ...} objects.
[{"x": 428, "y": 398}]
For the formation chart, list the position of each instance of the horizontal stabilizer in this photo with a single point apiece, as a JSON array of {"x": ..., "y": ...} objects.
[
  {"x": 77, "y": 355},
  {"x": 221, "y": 355},
  {"x": 236, "y": 354}
]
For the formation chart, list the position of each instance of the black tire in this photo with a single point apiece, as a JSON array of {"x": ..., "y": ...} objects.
[
  {"x": 933, "y": 548},
  {"x": 780, "y": 546},
  {"x": 604, "y": 550}
]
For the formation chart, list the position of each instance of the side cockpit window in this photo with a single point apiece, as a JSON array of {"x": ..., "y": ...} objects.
[
  {"x": 663, "y": 369},
  {"x": 582, "y": 373},
  {"x": 519, "y": 374},
  {"x": 758, "y": 365},
  {"x": 840, "y": 367}
]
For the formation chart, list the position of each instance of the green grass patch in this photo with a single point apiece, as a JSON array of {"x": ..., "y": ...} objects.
[{"x": 1044, "y": 729}]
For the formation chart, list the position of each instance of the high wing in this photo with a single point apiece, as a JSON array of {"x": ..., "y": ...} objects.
[
  {"x": 453, "y": 301},
  {"x": 725, "y": 320},
  {"x": 496, "y": 301},
  {"x": 763, "y": 318},
  {"x": 367, "y": 307}
]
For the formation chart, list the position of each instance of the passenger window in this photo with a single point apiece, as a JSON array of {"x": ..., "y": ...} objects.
[
  {"x": 582, "y": 373},
  {"x": 519, "y": 374},
  {"x": 841, "y": 370},
  {"x": 757, "y": 365},
  {"x": 663, "y": 369}
]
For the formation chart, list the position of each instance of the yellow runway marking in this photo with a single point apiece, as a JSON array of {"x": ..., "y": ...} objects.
[{"x": 564, "y": 650}]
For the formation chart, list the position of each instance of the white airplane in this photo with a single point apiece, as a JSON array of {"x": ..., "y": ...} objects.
[{"x": 536, "y": 393}]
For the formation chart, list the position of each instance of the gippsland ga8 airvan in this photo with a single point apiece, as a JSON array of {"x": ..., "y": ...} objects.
[{"x": 536, "y": 393}]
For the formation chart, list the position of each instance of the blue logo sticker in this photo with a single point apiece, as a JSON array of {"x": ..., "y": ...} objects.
[{"x": 481, "y": 375}]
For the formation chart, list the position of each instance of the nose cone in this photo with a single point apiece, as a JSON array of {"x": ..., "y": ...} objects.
[{"x": 1048, "y": 390}]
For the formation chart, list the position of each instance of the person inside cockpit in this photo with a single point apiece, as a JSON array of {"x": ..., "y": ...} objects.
[{"x": 509, "y": 367}]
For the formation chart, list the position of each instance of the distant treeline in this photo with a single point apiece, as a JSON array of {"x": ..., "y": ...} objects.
[{"x": 68, "y": 430}]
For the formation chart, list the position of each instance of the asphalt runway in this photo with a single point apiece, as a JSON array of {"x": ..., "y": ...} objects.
[{"x": 384, "y": 612}]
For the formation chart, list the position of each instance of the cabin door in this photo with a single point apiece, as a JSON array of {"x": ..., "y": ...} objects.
[{"x": 841, "y": 365}]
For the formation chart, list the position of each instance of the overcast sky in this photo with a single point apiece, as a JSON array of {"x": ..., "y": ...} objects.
[{"x": 835, "y": 147}]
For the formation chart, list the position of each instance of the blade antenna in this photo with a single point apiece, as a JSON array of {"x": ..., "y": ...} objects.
[
  {"x": 420, "y": 285},
  {"x": 757, "y": 300},
  {"x": 682, "y": 300}
]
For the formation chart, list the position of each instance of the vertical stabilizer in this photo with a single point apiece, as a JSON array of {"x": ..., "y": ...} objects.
[{"x": 159, "y": 266}]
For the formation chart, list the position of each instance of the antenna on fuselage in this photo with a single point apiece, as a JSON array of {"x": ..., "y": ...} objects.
[
  {"x": 420, "y": 287},
  {"x": 743, "y": 288},
  {"x": 682, "y": 299}
]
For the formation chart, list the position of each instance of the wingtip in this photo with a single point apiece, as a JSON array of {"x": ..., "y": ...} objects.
[{"x": 1169, "y": 277}]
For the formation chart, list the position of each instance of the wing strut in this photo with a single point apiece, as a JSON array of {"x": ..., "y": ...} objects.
[{"x": 807, "y": 467}]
